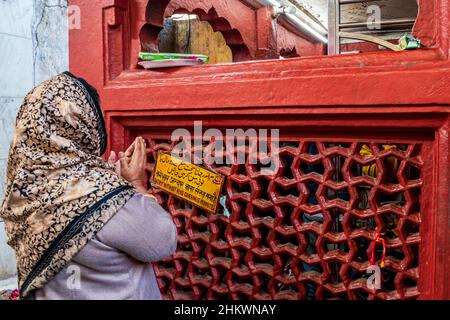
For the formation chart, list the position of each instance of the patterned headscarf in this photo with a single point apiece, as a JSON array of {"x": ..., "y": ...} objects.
[{"x": 60, "y": 192}]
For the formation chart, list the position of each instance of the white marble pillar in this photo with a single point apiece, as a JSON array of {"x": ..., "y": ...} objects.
[{"x": 33, "y": 47}]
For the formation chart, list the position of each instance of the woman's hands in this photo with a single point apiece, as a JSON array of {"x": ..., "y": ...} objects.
[
  {"x": 133, "y": 161},
  {"x": 131, "y": 164}
]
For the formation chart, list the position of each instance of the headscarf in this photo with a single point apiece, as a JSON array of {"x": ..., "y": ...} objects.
[{"x": 60, "y": 192}]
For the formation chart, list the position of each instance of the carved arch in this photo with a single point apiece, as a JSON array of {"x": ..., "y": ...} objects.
[{"x": 233, "y": 37}]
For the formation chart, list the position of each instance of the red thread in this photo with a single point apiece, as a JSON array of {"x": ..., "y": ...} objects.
[{"x": 374, "y": 245}]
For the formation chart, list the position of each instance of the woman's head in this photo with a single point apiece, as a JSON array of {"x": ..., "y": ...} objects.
[{"x": 61, "y": 116}]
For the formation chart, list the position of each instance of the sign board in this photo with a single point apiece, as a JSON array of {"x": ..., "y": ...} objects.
[{"x": 187, "y": 181}]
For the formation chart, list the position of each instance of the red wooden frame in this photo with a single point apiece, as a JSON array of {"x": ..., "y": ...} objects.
[{"x": 373, "y": 96}]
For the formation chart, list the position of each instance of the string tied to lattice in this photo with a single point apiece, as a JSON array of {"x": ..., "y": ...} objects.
[{"x": 379, "y": 239}]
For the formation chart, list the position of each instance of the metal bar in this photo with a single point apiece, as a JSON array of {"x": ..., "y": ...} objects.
[
  {"x": 272, "y": 3},
  {"x": 333, "y": 27},
  {"x": 301, "y": 25},
  {"x": 355, "y": 1},
  {"x": 298, "y": 23},
  {"x": 384, "y": 31},
  {"x": 385, "y": 23}
]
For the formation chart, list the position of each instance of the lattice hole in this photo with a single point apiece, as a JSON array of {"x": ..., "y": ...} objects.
[
  {"x": 239, "y": 257},
  {"x": 335, "y": 249},
  {"x": 410, "y": 229},
  {"x": 359, "y": 295},
  {"x": 310, "y": 239},
  {"x": 364, "y": 193},
  {"x": 390, "y": 222},
  {"x": 415, "y": 199},
  {"x": 264, "y": 216},
  {"x": 395, "y": 254},
  {"x": 285, "y": 264},
  {"x": 286, "y": 291},
  {"x": 239, "y": 213},
  {"x": 357, "y": 224},
  {"x": 219, "y": 274},
  {"x": 218, "y": 227},
  {"x": 308, "y": 168},
  {"x": 391, "y": 169},
  {"x": 242, "y": 237},
  {"x": 336, "y": 224},
  {"x": 341, "y": 194},
  {"x": 164, "y": 283},
  {"x": 262, "y": 234},
  {"x": 290, "y": 192},
  {"x": 409, "y": 283},
  {"x": 312, "y": 194},
  {"x": 337, "y": 163},
  {"x": 287, "y": 240},
  {"x": 241, "y": 283},
  {"x": 328, "y": 295},
  {"x": 285, "y": 214},
  {"x": 413, "y": 251},
  {"x": 391, "y": 199},
  {"x": 355, "y": 275},
  {"x": 199, "y": 228},
  {"x": 263, "y": 194},
  {"x": 286, "y": 160},
  {"x": 388, "y": 277},
  {"x": 219, "y": 258},
  {"x": 182, "y": 266},
  {"x": 264, "y": 287},
  {"x": 310, "y": 289},
  {"x": 238, "y": 187},
  {"x": 311, "y": 221},
  {"x": 361, "y": 247}
]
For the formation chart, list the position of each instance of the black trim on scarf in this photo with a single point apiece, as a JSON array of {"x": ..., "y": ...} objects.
[
  {"x": 73, "y": 228},
  {"x": 97, "y": 108}
]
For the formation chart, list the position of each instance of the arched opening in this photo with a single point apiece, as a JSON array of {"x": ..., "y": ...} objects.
[
  {"x": 186, "y": 33},
  {"x": 196, "y": 32}
]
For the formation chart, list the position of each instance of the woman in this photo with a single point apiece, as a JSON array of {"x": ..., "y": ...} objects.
[{"x": 82, "y": 228}]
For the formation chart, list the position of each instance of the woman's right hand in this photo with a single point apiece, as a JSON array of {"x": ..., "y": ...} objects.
[{"x": 114, "y": 161}]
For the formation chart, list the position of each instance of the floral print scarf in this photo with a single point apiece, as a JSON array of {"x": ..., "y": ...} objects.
[{"x": 60, "y": 192}]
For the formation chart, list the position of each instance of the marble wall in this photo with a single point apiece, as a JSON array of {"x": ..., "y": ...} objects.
[{"x": 33, "y": 47}]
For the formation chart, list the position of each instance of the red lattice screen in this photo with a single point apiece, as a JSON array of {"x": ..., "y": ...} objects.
[{"x": 304, "y": 233}]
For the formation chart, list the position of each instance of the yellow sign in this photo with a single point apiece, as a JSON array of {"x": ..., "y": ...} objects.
[{"x": 192, "y": 183}]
